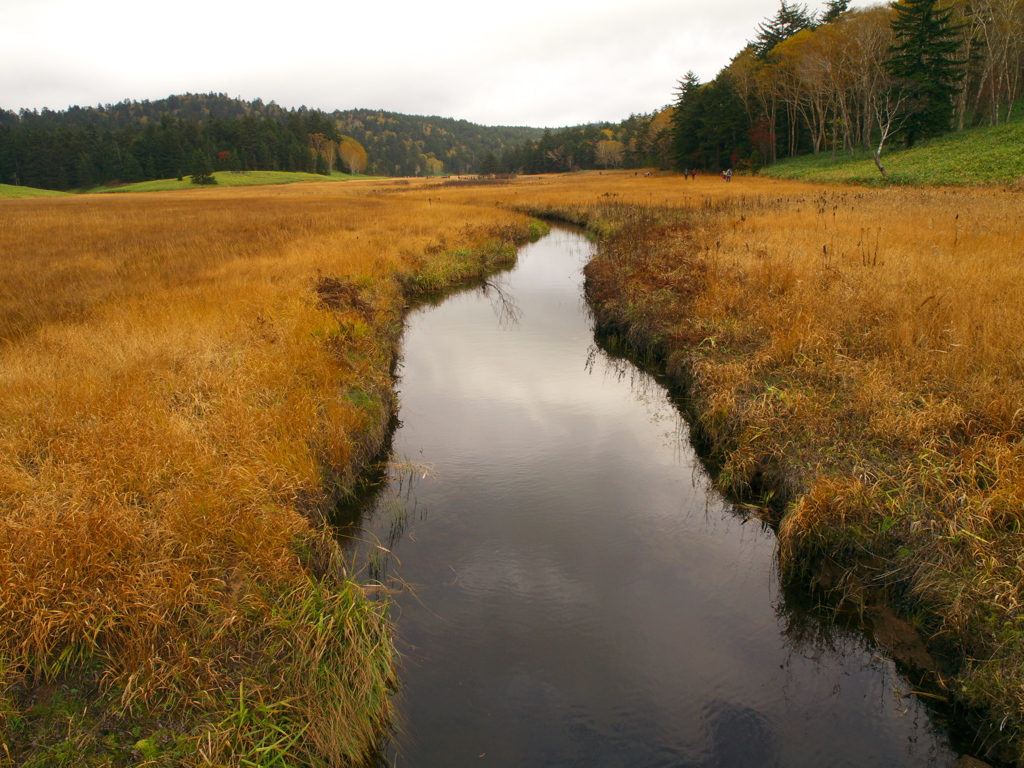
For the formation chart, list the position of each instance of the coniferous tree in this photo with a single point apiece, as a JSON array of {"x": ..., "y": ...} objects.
[
  {"x": 710, "y": 124},
  {"x": 86, "y": 171},
  {"x": 686, "y": 122},
  {"x": 833, "y": 10},
  {"x": 202, "y": 171},
  {"x": 489, "y": 164},
  {"x": 321, "y": 166},
  {"x": 788, "y": 20},
  {"x": 131, "y": 170},
  {"x": 924, "y": 57}
]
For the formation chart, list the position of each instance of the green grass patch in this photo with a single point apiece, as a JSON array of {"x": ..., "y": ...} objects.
[
  {"x": 7, "y": 191},
  {"x": 448, "y": 269},
  {"x": 229, "y": 179},
  {"x": 987, "y": 155}
]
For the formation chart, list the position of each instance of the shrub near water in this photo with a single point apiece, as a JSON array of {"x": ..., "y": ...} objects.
[{"x": 187, "y": 379}]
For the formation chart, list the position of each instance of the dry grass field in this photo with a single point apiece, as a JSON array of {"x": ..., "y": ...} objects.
[
  {"x": 187, "y": 381},
  {"x": 188, "y": 378}
]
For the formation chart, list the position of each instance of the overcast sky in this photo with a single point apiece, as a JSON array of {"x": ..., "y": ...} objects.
[{"x": 534, "y": 62}]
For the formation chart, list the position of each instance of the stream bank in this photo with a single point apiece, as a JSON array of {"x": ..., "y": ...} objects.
[
  {"x": 170, "y": 594},
  {"x": 788, "y": 436},
  {"x": 566, "y": 585}
]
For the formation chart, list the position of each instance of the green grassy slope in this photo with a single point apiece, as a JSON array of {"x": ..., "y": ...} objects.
[
  {"x": 976, "y": 156},
  {"x": 224, "y": 179},
  {"x": 229, "y": 179},
  {"x": 8, "y": 191}
]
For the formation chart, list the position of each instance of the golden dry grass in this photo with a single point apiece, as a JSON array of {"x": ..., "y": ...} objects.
[
  {"x": 186, "y": 376},
  {"x": 186, "y": 380}
]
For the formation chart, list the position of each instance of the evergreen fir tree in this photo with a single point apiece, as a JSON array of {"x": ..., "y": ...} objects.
[
  {"x": 924, "y": 57},
  {"x": 86, "y": 171},
  {"x": 202, "y": 171},
  {"x": 686, "y": 122},
  {"x": 789, "y": 20},
  {"x": 833, "y": 10},
  {"x": 489, "y": 164},
  {"x": 131, "y": 171}
]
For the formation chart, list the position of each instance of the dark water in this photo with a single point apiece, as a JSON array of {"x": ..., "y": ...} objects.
[{"x": 569, "y": 591}]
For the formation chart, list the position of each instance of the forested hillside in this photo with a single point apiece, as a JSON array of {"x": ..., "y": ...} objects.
[
  {"x": 845, "y": 82},
  {"x": 406, "y": 145},
  {"x": 854, "y": 80},
  {"x": 640, "y": 141},
  {"x": 140, "y": 140}
]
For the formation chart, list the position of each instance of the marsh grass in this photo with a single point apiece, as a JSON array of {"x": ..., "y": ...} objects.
[{"x": 187, "y": 381}]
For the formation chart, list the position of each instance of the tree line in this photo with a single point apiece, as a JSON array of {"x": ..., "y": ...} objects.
[
  {"x": 639, "y": 141},
  {"x": 853, "y": 79},
  {"x": 82, "y": 147},
  {"x": 844, "y": 80},
  {"x": 409, "y": 145}
]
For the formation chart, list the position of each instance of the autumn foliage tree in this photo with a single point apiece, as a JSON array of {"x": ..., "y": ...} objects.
[
  {"x": 656, "y": 141},
  {"x": 352, "y": 154},
  {"x": 852, "y": 79},
  {"x": 609, "y": 153}
]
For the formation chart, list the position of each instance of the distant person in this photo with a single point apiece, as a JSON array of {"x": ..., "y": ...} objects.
[{"x": 728, "y": 175}]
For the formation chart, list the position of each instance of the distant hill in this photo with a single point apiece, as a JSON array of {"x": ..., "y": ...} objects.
[
  {"x": 397, "y": 144},
  {"x": 132, "y": 141}
]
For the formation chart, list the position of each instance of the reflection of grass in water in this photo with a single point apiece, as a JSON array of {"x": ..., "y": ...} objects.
[
  {"x": 392, "y": 506},
  {"x": 396, "y": 507},
  {"x": 858, "y": 353},
  {"x": 651, "y": 386},
  {"x": 397, "y": 512},
  {"x": 812, "y": 624},
  {"x": 375, "y": 564}
]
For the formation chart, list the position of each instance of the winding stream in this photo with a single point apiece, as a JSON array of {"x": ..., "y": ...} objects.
[{"x": 568, "y": 589}]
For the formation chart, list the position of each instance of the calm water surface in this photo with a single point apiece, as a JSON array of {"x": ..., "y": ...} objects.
[{"x": 568, "y": 589}]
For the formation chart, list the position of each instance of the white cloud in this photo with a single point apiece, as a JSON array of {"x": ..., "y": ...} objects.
[{"x": 539, "y": 62}]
